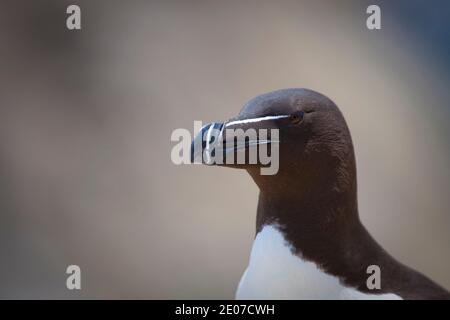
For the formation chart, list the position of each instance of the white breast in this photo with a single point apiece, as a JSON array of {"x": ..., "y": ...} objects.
[{"x": 275, "y": 273}]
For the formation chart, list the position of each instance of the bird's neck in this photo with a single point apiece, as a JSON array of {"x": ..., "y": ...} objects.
[
  {"x": 323, "y": 227},
  {"x": 315, "y": 201}
]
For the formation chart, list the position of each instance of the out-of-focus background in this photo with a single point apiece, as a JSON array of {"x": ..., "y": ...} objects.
[{"x": 86, "y": 118}]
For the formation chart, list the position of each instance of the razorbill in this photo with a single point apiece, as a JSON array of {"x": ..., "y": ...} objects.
[{"x": 310, "y": 242}]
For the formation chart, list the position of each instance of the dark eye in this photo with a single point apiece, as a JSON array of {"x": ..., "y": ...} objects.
[{"x": 296, "y": 117}]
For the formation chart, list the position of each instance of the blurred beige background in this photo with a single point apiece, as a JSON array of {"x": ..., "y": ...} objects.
[{"x": 86, "y": 119}]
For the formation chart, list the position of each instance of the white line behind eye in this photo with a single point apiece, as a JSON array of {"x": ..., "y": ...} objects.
[{"x": 256, "y": 120}]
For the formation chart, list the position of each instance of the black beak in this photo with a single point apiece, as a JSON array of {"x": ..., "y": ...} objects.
[{"x": 204, "y": 144}]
